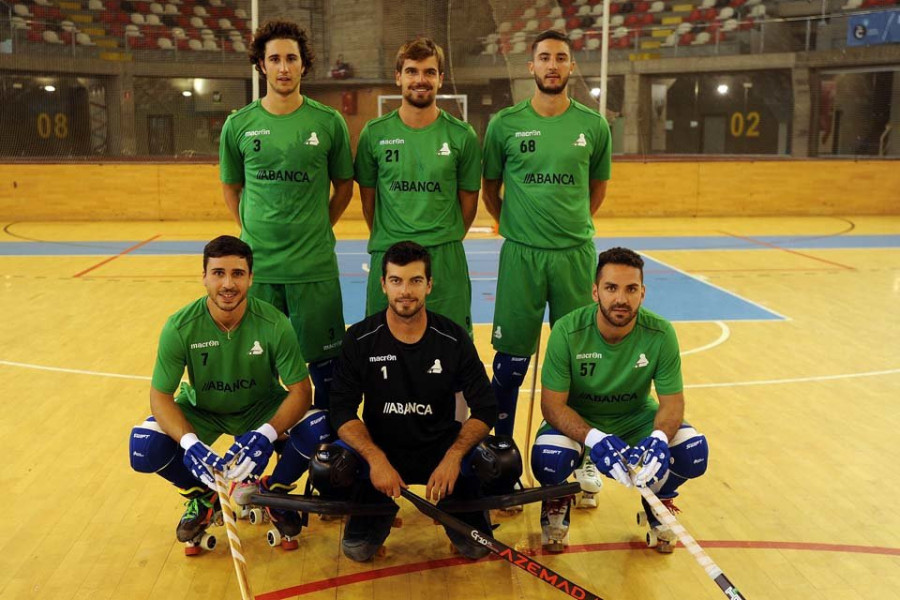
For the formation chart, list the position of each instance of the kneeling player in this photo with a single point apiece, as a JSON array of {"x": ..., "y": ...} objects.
[
  {"x": 408, "y": 363},
  {"x": 235, "y": 349},
  {"x": 601, "y": 360}
]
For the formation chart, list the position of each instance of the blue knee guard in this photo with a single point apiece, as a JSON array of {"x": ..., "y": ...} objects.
[
  {"x": 313, "y": 429},
  {"x": 509, "y": 373},
  {"x": 321, "y": 373},
  {"x": 690, "y": 456},
  {"x": 152, "y": 451},
  {"x": 554, "y": 456}
]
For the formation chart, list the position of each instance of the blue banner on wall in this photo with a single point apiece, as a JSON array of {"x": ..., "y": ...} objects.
[{"x": 875, "y": 28}]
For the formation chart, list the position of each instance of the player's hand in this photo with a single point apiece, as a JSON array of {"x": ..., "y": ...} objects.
[
  {"x": 443, "y": 478},
  {"x": 608, "y": 455},
  {"x": 201, "y": 460},
  {"x": 385, "y": 478},
  {"x": 649, "y": 459},
  {"x": 250, "y": 453}
]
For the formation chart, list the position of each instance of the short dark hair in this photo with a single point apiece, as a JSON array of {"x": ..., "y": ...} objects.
[
  {"x": 280, "y": 30},
  {"x": 619, "y": 256},
  {"x": 403, "y": 253},
  {"x": 227, "y": 245},
  {"x": 420, "y": 49},
  {"x": 550, "y": 34}
]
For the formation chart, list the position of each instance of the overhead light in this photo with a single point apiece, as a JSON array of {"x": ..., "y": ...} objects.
[
  {"x": 17, "y": 86},
  {"x": 722, "y": 89},
  {"x": 187, "y": 93},
  {"x": 49, "y": 88},
  {"x": 595, "y": 92}
]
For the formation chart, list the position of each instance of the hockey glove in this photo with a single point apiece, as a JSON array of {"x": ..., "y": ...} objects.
[
  {"x": 649, "y": 458},
  {"x": 250, "y": 453},
  {"x": 201, "y": 460},
  {"x": 607, "y": 452}
]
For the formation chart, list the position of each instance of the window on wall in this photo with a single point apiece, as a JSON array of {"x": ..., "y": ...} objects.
[
  {"x": 722, "y": 113},
  {"x": 858, "y": 113}
]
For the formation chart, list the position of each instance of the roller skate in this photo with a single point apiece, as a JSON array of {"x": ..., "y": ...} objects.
[
  {"x": 288, "y": 523},
  {"x": 658, "y": 536},
  {"x": 555, "y": 523},
  {"x": 588, "y": 477},
  {"x": 517, "y": 508},
  {"x": 240, "y": 493},
  {"x": 202, "y": 509}
]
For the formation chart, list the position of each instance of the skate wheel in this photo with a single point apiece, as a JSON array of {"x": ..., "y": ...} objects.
[
  {"x": 666, "y": 546},
  {"x": 289, "y": 544},
  {"x": 554, "y": 547},
  {"x": 243, "y": 513},
  {"x": 208, "y": 541},
  {"x": 397, "y": 523},
  {"x": 273, "y": 537},
  {"x": 381, "y": 552},
  {"x": 255, "y": 515},
  {"x": 651, "y": 538},
  {"x": 191, "y": 549},
  {"x": 641, "y": 518}
]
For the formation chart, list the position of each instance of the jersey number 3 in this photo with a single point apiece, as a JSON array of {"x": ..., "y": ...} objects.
[{"x": 257, "y": 144}]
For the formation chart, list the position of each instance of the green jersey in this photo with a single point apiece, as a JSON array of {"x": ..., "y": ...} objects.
[
  {"x": 546, "y": 164},
  {"x": 609, "y": 384},
  {"x": 286, "y": 164},
  {"x": 229, "y": 372},
  {"x": 416, "y": 174}
]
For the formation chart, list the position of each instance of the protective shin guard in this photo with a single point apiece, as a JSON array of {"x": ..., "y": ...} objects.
[
  {"x": 509, "y": 373},
  {"x": 554, "y": 457},
  {"x": 312, "y": 430},
  {"x": 690, "y": 456},
  {"x": 152, "y": 451},
  {"x": 322, "y": 373}
]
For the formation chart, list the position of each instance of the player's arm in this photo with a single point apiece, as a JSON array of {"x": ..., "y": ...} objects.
[
  {"x": 340, "y": 199},
  {"x": 367, "y": 196},
  {"x": 443, "y": 478},
  {"x": 232, "y": 194},
  {"x": 557, "y": 412},
  {"x": 293, "y": 407},
  {"x": 670, "y": 415},
  {"x": 490, "y": 194},
  {"x": 468, "y": 203},
  {"x": 383, "y": 475},
  {"x": 168, "y": 415},
  {"x": 598, "y": 194}
]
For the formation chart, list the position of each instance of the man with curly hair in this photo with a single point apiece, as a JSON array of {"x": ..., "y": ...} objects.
[{"x": 279, "y": 157}]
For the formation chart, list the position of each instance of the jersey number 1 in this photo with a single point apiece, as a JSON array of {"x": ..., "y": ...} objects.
[{"x": 384, "y": 371}]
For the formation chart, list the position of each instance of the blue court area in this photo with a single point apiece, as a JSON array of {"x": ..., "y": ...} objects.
[{"x": 671, "y": 293}]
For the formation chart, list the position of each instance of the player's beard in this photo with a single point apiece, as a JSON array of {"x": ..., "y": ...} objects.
[
  {"x": 553, "y": 91},
  {"x": 406, "y": 311},
  {"x": 617, "y": 320},
  {"x": 428, "y": 100},
  {"x": 239, "y": 300}
]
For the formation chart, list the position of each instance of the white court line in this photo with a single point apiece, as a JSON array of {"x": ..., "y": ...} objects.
[
  {"x": 721, "y": 289},
  {"x": 726, "y": 333},
  {"x": 10, "y": 363}
]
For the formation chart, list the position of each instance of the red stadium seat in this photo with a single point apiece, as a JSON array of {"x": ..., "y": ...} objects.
[
  {"x": 614, "y": 9},
  {"x": 737, "y": 3},
  {"x": 695, "y": 15},
  {"x": 710, "y": 14},
  {"x": 686, "y": 39},
  {"x": 545, "y": 24},
  {"x": 570, "y": 11},
  {"x": 578, "y": 44},
  {"x": 631, "y": 20},
  {"x": 647, "y": 19},
  {"x": 573, "y": 23},
  {"x": 641, "y": 6},
  {"x": 746, "y": 25},
  {"x": 35, "y": 36}
]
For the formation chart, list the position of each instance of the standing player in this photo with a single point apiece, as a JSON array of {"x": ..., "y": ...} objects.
[
  {"x": 595, "y": 394},
  {"x": 552, "y": 156},
  {"x": 235, "y": 350},
  {"x": 406, "y": 363},
  {"x": 278, "y": 156},
  {"x": 418, "y": 170}
]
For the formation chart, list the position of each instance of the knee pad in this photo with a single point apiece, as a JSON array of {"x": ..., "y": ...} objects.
[
  {"x": 150, "y": 449},
  {"x": 690, "y": 453},
  {"x": 310, "y": 432},
  {"x": 497, "y": 463},
  {"x": 333, "y": 468},
  {"x": 554, "y": 457},
  {"x": 509, "y": 370}
]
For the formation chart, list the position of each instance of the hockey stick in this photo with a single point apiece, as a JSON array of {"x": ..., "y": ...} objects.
[
  {"x": 316, "y": 504},
  {"x": 237, "y": 553},
  {"x": 518, "y": 559},
  {"x": 516, "y": 498},
  {"x": 668, "y": 519},
  {"x": 537, "y": 360}
]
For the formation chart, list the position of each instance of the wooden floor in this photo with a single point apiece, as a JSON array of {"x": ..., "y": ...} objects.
[{"x": 802, "y": 416}]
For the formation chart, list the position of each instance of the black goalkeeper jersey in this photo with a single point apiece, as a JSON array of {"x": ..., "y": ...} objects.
[{"x": 408, "y": 390}]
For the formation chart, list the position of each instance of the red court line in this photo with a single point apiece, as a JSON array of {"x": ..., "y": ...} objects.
[
  {"x": 342, "y": 580},
  {"x": 777, "y": 247},
  {"x": 112, "y": 258}
]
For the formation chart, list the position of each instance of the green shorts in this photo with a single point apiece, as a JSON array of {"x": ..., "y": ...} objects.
[
  {"x": 451, "y": 291},
  {"x": 527, "y": 280},
  {"x": 316, "y": 312},
  {"x": 209, "y": 425}
]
